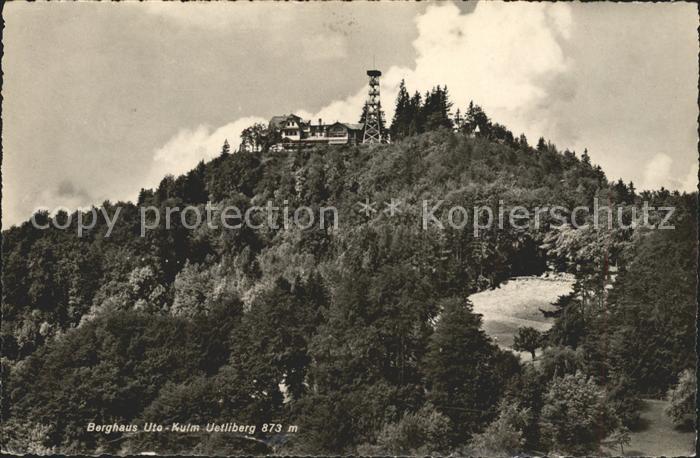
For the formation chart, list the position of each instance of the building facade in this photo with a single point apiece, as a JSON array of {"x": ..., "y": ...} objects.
[
  {"x": 291, "y": 131},
  {"x": 294, "y": 132}
]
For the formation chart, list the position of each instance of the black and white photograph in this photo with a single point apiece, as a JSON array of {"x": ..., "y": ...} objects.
[{"x": 349, "y": 228}]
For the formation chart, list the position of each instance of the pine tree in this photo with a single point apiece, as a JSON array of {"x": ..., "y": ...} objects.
[
  {"x": 363, "y": 115},
  {"x": 226, "y": 148},
  {"x": 445, "y": 108},
  {"x": 523, "y": 142},
  {"x": 541, "y": 145},
  {"x": 458, "y": 119},
  {"x": 458, "y": 367},
  {"x": 436, "y": 109},
  {"x": 402, "y": 114},
  {"x": 469, "y": 119},
  {"x": 477, "y": 118},
  {"x": 415, "y": 110},
  {"x": 585, "y": 158}
]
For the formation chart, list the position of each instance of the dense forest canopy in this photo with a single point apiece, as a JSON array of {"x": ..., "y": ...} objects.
[{"x": 362, "y": 337}]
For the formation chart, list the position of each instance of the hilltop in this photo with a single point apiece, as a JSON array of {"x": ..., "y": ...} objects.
[{"x": 369, "y": 319}]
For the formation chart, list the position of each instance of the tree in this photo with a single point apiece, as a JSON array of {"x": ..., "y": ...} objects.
[
  {"x": 141, "y": 290},
  {"x": 458, "y": 119},
  {"x": 522, "y": 141},
  {"x": 402, "y": 114},
  {"x": 652, "y": 337},
  {"x": 475, "y": 117},
  {"x": 557, "y": 360},
  {"x": 620, "y": 437},
  {"x": 436, "y": 109},
  {"x": 145, "y": 196},
  {"x": 585, "y": 158},
  {"x": 146, "y": 293},
  {"x": 575, "y": 417},
  {"x": 458, "y": 369},
  {"x": 226, "y": 148},
  {"x": 527, "y": 339},
  {"x": 29, "y": 438},
  {"x": 224, "y": 397},
  {"x": 681, "y": 399},
  {"x": 191, "y": 187},
  {"x": 425, "y": 432},
  {"x": 417, "y": 123},
  {"x": 504, "y": 436},
  {"x": 541, "y": 145},
  {"x": 280, "y": 326},
  {"x": 107, "y": 370},
  {"x": 501, "y": 134},
  {"x": 166, "y": 189},
  {"x": 238, "y": 172},
  {"x": 445, "y": 107},
  {"x": 257, "y": 138},
  {"x": 527, "y": 390}
]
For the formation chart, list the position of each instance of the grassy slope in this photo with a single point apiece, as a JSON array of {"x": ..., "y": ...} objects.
[
  {"x": 658, "y": 437},
  {"x": 516, "y": 304}
]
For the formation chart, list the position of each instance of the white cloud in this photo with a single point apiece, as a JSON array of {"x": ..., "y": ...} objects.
[
  {"x": 659, "y": 172},
  {"x": 501, "y": 56},
  {"x": 347, "y": 109},
  {"x": 183, "y": 151},
  {"x": 690, "y": 183}
]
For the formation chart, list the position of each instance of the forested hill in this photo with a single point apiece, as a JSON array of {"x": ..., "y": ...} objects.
[
  {"x": 200, "y": 325},
  {"x": 58, "y": 277}
]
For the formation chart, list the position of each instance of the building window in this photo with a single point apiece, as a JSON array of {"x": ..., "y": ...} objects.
[{"x": 338, "y": 133}]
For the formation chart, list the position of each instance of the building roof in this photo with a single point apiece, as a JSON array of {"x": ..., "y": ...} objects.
[
  {"x": 348, "y": 125},
  {"x": 277, "y": 121}
]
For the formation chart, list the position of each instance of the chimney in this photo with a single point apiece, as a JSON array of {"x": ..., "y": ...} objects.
[{"x": 320, "y": 122}]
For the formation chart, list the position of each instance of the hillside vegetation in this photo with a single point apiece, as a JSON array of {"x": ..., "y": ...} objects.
[{"x": 361, "y": 336}]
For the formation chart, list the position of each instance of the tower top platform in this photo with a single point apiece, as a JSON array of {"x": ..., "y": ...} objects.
[{"x": 374, "y": 73}]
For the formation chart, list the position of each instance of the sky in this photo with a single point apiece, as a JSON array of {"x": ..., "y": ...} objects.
[{"x": 103, "y": 99}]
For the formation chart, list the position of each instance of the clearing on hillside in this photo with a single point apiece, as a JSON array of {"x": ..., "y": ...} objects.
[{"x": 517, "y": 303}]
